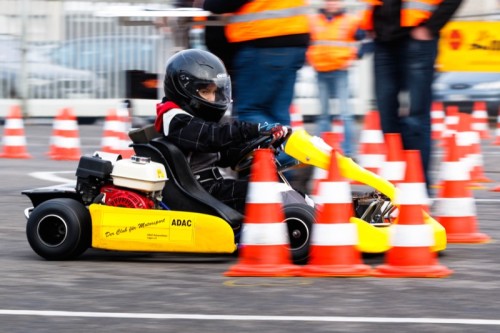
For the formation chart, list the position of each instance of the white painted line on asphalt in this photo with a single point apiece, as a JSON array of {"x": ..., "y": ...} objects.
[
  {"x": 173, "y": 316},
  {"x": 52, "y": 177}
]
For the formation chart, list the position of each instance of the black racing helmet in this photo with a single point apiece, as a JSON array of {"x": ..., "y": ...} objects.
[{"x": 190, "y": 70}]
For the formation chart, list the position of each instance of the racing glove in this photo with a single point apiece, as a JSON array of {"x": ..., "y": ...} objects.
[{"x": 279, "y": 132}]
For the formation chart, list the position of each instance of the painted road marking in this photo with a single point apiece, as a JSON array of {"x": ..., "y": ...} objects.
[
  {"x": 51, "y": 176},
  {"x": 172, "y": 316}
]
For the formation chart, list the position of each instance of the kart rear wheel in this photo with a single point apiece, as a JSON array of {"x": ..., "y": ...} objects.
[
  {"x": 59, "y": 229},
  {"x": 299, "y": 219}
]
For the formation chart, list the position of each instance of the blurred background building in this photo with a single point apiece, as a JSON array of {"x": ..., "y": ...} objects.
[{"x": 66, "y": 53}]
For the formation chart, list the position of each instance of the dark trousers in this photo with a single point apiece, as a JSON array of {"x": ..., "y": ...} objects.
[
  {"x": 232, "y": 192},
  {"x": 404, "y": 72}
]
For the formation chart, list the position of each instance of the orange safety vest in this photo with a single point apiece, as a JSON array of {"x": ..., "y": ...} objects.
[
  {"x": 266, "y": 18},
  {"x": 333, "y": 46},
  {"x": 413, "y": 12}
]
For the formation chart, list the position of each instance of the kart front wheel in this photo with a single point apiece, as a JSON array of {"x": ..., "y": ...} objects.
[
  {"x": 59, "y": 229},
  {"x": 299, "y": 219}
]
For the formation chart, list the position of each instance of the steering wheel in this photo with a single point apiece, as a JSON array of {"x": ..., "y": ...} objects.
[{"x": 244, "y": 160}]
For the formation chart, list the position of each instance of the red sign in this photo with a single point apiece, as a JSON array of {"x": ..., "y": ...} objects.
[{"x": 455, "y": 39}]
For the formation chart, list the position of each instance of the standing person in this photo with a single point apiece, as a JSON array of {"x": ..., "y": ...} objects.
[
  {"x": 271, "y": 39},
  {"x": 406, "y": 37},
  {"x": 333, "y": 48}
]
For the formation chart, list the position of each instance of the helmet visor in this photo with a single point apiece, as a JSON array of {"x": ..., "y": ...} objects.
[{"x": 215, "y": 91}]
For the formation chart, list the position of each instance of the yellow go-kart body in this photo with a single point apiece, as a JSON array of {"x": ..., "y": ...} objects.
[
  {"x": 130, "y": 229},
  {"x": 372, "y": 239}
]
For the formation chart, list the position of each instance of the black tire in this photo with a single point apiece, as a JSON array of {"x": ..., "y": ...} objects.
[
  {"x": 300, "y": 219},
  {"x": 59, "y": 229}
]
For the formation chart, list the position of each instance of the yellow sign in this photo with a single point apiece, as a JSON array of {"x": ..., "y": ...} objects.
[{"x": 469, "y": 47}]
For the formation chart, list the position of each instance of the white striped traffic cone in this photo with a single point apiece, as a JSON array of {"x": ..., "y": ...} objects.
[
  {"x": 65, "y": 139},
  {"x": 265, "y": 244},
  {"x": 14, "y": 139},
  {"x": 334, "y": 239}
]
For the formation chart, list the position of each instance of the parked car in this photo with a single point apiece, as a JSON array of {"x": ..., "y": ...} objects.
[
  {"x": 465, "y": 88},
  {"x": 110, "y": 57},
  {"x": 44, "y": 80}
]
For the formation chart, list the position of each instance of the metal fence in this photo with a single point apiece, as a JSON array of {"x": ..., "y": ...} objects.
[{"x": 63, "y": 50}]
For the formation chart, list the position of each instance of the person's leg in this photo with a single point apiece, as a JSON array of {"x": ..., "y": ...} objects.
[
  {"x": 387, "y": 85},
  {"x": 265, "y": 81},
  {"x": 281, "y": 66},
  {"x": 249, "y": 75},
  {"x": 342, "y": 92},
  {"x": 416, "y": 131},
  {"x": 232, "y": 192},
  {"x": 323, "y": 123}
]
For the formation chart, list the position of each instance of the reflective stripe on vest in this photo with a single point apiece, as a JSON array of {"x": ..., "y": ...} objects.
[
  {"x": 263, "y": 19},
  {"x": 269, "y": 14},
  {"x": 333, "y": 43}
]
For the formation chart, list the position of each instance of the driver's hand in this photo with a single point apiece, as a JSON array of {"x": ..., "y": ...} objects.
[{"x": 277, "y": 131}]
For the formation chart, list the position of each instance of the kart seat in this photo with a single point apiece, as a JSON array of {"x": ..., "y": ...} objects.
[
  {"x": 182, "y": 192},
  {"x": 144, "y": 134}
]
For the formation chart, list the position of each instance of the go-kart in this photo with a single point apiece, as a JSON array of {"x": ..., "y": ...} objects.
[{"x": 153, "y": 203}]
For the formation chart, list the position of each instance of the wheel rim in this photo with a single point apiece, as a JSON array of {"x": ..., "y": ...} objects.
[
  {"x": 298, "y": 233},
  {"x": 52, "y": 230}
]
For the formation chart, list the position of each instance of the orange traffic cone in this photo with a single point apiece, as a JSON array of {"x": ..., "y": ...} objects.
[
  {"x": 14, "y": 140},
  {"x": 466, "y": 139},
  {"x": 371, "y": 143},
  {"x": 450, "y": 122},
  {"x": 338, "y": 128},
  {"x": 111, "y": 137},
  {"x": 296, "y": 119},
  {"x": 437, "y": 120},
  {"x": 265, "y": 249},
  {"x": 393, "y": 168},
  {"x": 497, "y": 131},
  {"x": 333, "y": 139},
  {"x": 334, "y": 239},
  {"x": 411, "y": 254},
  {"x": 455, "y": 207},
  {"x": 124, "y": 117},
  {"x": 480, "y": 120},
  {"x": 65, "y": 139}
]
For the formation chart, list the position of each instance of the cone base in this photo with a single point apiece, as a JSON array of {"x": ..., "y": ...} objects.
[
  {"x": 19, "y": 155},
  {"x": 482, "y": 179},
  {"x": 242, "y": 270},
  {"x": 433, "y": 271},
  {"x": 359, "y": 270},
  {"x": 496, "y": 189},
  {"x": 468, "y": 238}
]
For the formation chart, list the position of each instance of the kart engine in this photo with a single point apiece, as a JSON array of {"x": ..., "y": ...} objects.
[{"x": 131, "y": 183}]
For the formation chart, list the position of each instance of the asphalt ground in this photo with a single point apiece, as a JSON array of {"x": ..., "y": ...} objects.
[{"x": 135, "y": 292}]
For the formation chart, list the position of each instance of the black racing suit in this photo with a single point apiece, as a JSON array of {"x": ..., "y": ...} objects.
[{"x": 208, "y": 145}]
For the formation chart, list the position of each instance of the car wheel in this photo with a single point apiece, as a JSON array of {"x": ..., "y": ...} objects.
[
  {"x": 299, "y": 219},
  {"x": 59, "y": 229}
]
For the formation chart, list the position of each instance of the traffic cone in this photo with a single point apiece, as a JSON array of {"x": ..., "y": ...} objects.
[
  {"x": 497, "y": 131},
  {"x": 450, "y": 122},
  {"x": 411, "y": 254},
  {"x": 480, "y": 120},
  {"x": 334, "y": 239},
  {"x": 332, "y": 139},
  {"x": 338, "y": 128},
  {"x": 437, "y": 120},
  {"x": 296, "y": 119},
  {"x": 111, "y": 138},
  {"x": 455, "y": 205},
  {"x": 265, "y": 249},
  {"x": 124, "y": 117},
  {"x": 393, "y": 168},
  {"x": 466, "y": 139},
  {"x": 65, "y": 139},
  {"x": 14, "y": 140},
  {"x": 371, "y": 143}
]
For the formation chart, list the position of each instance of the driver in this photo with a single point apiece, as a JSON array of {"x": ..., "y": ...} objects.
[{"x": 197, "y": 95}]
